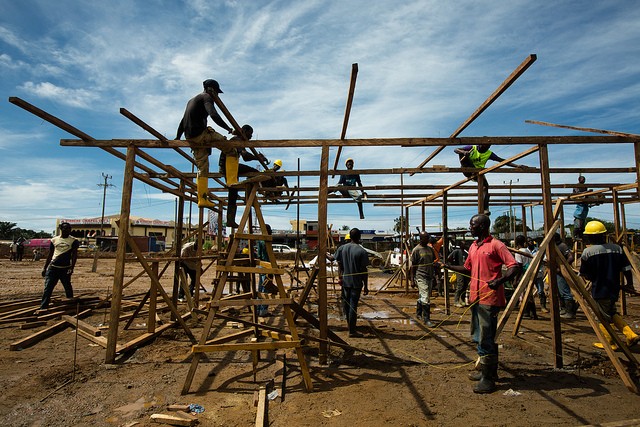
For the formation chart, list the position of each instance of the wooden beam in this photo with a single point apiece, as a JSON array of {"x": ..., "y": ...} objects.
[
  {"x": 274, "y": 345},
  {"x": 556, "y": 333},
  {"x": 347, "y": 112},
  {"x": 365, "y": 142},
  {"x": 499, "y": 91},
  {"x": 118, "y": 276},
  {"x": 480, "y": 173},
  {"x": 44, "y": 333},
  {"x": 321, "y": 286},
  {"x": 583, "y": 129}
]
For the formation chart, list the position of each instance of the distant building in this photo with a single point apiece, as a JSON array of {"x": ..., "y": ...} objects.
[
  {"x": 377, "y": 240},
  {"x": 160, "y": 234}
]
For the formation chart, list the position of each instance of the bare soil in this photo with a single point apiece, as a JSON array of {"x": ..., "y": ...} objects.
[{"x": 353, "y": 389}]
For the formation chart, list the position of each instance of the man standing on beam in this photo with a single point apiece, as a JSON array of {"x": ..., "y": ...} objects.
[
  {"x": 477, "y": 156},
  {"x": 201, "y": 137}
]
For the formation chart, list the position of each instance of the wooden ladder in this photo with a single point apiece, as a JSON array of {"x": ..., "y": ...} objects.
[{"x": 288, "y": 341}]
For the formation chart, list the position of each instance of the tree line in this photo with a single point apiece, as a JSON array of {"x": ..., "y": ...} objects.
[{"x": 9, "y": 231}]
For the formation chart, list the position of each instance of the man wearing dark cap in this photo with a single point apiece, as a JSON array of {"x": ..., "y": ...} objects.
[{"x": 201, "y": 138}]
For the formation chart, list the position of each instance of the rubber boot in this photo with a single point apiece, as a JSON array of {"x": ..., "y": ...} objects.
[
  {"x": 563, "y": 306},
  {"x": 607, "y": 337},
  {"x": 487, "y": 383},
  {"x": 418, "y": 309},
  {"x": 231, "y": 169},
  {"x": 632, "y": 337},
  {"x": 426, "y": 315},
  {"x": 360, "y": 210},
  {"x": 202, "y": 186},
  {"x": 476, "y": 374},
  {"x": 543, "y": 304},
  {"x": 570, "y": 310},
  {"x": 231, "y": 216},
  {"x": 531, "y": 308}
]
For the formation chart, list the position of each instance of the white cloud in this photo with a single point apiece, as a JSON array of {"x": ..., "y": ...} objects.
[
  {"x": 80, "y": 98},
  {"x": 425, "y": 66}
]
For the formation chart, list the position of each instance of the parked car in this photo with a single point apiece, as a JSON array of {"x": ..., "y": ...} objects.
[{"x": 283, "y": 249}]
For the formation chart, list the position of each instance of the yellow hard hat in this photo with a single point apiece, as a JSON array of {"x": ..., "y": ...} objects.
[
  {"x": 594, "y": 227},
  {"x": 347, "y": 236},
  {"x": 245, "y": 251},
  {"x": 278, "y": 163},
  {"x": 348, "y": 160}
]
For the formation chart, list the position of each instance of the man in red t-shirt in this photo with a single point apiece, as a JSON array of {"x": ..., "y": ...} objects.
[{"x": 484, "y": 265}]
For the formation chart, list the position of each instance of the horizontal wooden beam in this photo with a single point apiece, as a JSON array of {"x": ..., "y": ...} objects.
[
  {"x": 204, "y": 348},
  {"x": 371, "y": 142}
]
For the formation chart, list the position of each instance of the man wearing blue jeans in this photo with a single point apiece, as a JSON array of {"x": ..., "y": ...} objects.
[
  {"x": 484, "y": 265},
  {"x": 353, "y": 261},
  {"x": 263, "y": 256},
  {"x": 568, "y": 306}
]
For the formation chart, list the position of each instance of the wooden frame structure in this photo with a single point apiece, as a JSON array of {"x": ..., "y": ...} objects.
[{"x": 144, "y": 167}]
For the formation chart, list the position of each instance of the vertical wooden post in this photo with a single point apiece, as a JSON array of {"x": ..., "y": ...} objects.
[
  {"x": 404, "y": 226},
  {"x": 636, "y": 149},
  {"x": 177, "y": 244},
  {"x": 118, "y": 275},
  {"x": 625, "y": 242},
  {"x": 220, "y": 236},
  {"x": 445, "y": 252},
  {"x": 424, "y": 216},
  {"x": 563, "y": 232},
  {"x": 533, "y": 226},
  {"x": 620, "y": 240},
  {"x": 322, "y": 250},
  {"x": 524, "y": 221},
  {"x": 616, "y": 216},
  {"x": 199, "y": 244},
  {"x": 480, "y": 195},
  {"x": 552, "y": 266},
  {"x": 407, "y": 239},
  {"x": 153, "y": 299}
]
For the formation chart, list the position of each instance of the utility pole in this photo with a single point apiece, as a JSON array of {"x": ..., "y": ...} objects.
[
  {"x": 104, "y": 186},
  {"x": 512, "y": 220}
]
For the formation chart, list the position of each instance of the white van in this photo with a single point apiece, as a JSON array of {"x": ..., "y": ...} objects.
[{"x": 282, "y": 249}]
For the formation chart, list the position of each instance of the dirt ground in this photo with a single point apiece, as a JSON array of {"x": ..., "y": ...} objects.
[{"x": 354, "y": 389}]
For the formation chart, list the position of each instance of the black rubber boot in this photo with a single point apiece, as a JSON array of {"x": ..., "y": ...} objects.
[
  {"x": 360, "y": 210},
  {"x": 487, "y": 383},
  {"x": 476, "y": 375},
  {"x": 543, "y": 304},
  {"x": 426, "y": 315},
  {"x": 531, "y": 307},
  {"x": 418, "y": 309},
  {"x": 570, "y": 310}
]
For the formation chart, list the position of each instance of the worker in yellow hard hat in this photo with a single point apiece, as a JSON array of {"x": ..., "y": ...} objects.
[
  {"x": 602, "y": 263},
  {"x": 351, "y": 181},
  {"x": 275, "y": 181}
]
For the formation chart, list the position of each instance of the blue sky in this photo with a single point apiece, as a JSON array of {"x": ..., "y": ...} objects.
[{"x": 284, "y": 66}]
